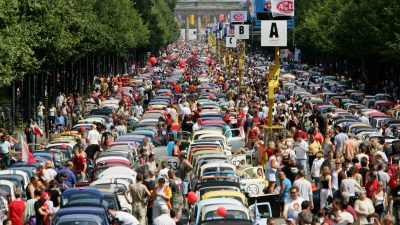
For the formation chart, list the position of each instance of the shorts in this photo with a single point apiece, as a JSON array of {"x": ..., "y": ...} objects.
[
  {"x": 271, "y": 176},
  {"x": 185, "y": 187}
]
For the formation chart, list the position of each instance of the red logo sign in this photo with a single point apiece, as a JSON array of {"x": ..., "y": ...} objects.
[
  {"x": 285, "y": 6},
  {"x": 238, "y": 16},
  {"x": 231, "y": 31}
]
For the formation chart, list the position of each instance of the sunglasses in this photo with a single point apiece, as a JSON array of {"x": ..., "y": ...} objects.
[{"x": 293, "y": 193}]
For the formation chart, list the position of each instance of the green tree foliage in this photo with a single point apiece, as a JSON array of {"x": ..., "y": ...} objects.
[
  {"x": 353, "y": 29},
  {"x": 38, "y": 35}
]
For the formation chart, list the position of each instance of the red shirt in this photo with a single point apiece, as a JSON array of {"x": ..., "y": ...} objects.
[
  {"x": 226, "y": 117},
  {"x": 240, "y": 118},
  {"x": 257, "y": 119},
  {"x": 177, "y": 88},
  {"x": 392, "y": 182},
  {"x": 79, "y": 162},
  {"x": 16, "y": 211},
  {"x": 371, "y": 187}
]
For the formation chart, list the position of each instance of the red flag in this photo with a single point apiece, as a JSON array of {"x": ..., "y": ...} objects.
[
  {"x": 26, "y": 152},
  {"x": 37, "y": 130}
]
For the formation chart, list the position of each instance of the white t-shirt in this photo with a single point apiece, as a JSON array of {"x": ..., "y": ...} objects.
[
  {"x": 293, "y": 207},
  {"x": 164, "y": 219},
  {"x": 163, "y": 173},
  {"x": 195, "y": 127},
  {"x": 346, "y": 218},
  {"x": 305, "y": 188},
  {"x": 52, "y": 111},
  {"x": 348, "y": 185},
  {"x": 301, "y": 150},
  {"x": 94, "y": 137},
  {"x": 126, "y": 218},
  {"x": 316, "y": 167}
]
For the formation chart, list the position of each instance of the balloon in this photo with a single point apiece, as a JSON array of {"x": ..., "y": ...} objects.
[
  {"x": 115, "y": 117},
  {"x": 63, "y": 146},
  {"x": 83, "y": 129},
  {"x": 221, "y": 211},
  {"x": 153, "y": 60},
  {"x": 182, "y": 64},
  {"x": 192, "y": 197}
]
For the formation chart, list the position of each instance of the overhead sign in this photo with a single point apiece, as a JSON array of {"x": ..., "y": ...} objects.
[
  {"x": 282, "y": 8},
  {"x": 242, "y": 31},
  {"x": 274, "y": 33},
  {"x": 230, "y": 42},
  {"x": 238, "y": 16}
]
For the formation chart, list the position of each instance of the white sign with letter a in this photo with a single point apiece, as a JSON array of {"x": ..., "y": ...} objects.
[
  {"x": 242, "y": 31},
  {"x": 230, "y": 42},
  {"x": 274, "y": 33}
]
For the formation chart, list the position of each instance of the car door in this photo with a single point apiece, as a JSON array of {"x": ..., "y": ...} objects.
[
  {"x": 260, "y": 213},
  {"x": 251, "y": 182},
  {"x": 235, "y": 139}
]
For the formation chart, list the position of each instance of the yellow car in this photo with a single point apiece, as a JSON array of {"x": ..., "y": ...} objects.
[{"x": 226, "y": 194}]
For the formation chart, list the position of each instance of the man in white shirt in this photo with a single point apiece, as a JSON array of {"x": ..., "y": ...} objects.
[
  {"x": 164, "y": 218},
  {"x": 123, "y": 217},
  {"x": 300, "y": 147},
  {"x": 292, "y": 206},
  {"x": 305, "y": 188},
  {"x": 94, "y": 142}
]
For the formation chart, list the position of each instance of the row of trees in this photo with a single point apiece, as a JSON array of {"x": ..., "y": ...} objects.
[
  {"x": 364, "y": 34},
  {"x": 37, "y": 36}
]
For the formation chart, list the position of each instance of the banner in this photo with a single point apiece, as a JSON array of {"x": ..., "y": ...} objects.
[
  {"x": 191, "y": 19},
  {"x": 238, "y": 16},
  {"x": 282, "y": 8}
]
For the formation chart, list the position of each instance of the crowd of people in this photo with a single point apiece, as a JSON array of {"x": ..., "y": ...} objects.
[{"x": 321, "y": 173}]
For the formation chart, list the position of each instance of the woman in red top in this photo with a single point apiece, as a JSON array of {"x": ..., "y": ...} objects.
[
  {"x": 16, "y": 209},
  {"x": 252, "y": 134}
]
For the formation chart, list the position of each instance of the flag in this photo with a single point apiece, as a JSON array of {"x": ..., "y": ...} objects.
[
  {"x": 191, "y": 19},
  {"x": 26, "y": 152},
  {"x": 37, "y": 130}
]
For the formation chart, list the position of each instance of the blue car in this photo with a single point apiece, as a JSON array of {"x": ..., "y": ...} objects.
[
  {"x": 69, "y": 216},
  {"x": 79, "y": 197}
]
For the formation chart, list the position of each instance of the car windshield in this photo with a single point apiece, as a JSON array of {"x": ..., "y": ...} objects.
[
  {"x": 81, "y": 199},
  {"x": 231, "y": 214},
  {"x": 120, "y": 187},
  {"x": 5, "y": 188},
  {"x": 110, "y": 199},
  {"x": 395, "y": 160},
  {"x": 77, "y": 222}
]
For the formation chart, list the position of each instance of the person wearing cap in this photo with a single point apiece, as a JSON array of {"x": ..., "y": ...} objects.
[
  {"x": 123, "y": 217},
  {"x": 363, "y": 207}
]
